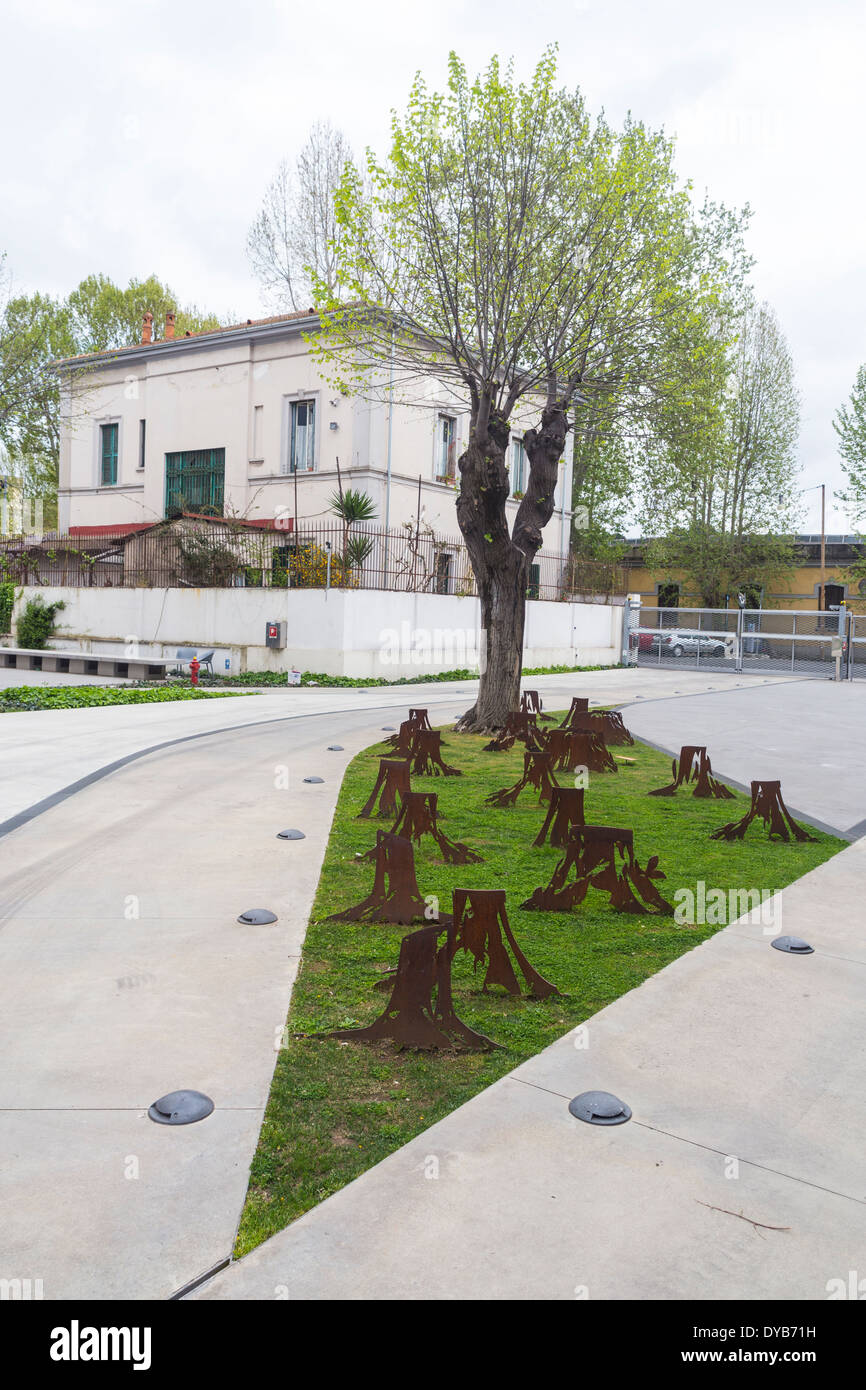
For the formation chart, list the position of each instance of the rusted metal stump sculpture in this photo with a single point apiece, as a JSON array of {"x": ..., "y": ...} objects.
[
  {"x": 395, "y": 896},
  {"x": 608, "y": 723},
  {"x": 403, "y": 742},
  {"x": 519, "y": 725},
  {"x": 392, "y": 783},
  {"x": 414, "y": 1017},
  {"x": 579, "y": 707},
  {"x": 768, "y": 804},
  {"x": 571, "y": 748},
  {"x": 530, "y": 703},
  {"x": 427, "y": 756},
  {"x": 602, "y": 857},
  {"x": 536, "y": 773},
  {"x": 693, "y": 765},
  {"x": 480, "y": 920},
  {"x": 418, "y": 817},
  {"x": 564, "y": 814}
]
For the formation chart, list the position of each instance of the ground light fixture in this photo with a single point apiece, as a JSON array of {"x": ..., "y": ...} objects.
[
  {"x": 291, "y": 835},
  {"x": 257, "y": 917},
  {"x": 314, "y": 779},
  {"x": 792, "y": 945},
  {"x": 599, "y": 1108},
  {"x": 388, "y": 729},
  {"x": 181, "y": 1108},
  {"x": 335, "y": 748}
]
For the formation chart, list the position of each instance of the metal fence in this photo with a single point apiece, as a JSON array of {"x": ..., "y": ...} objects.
[
  {"x": 197, "y": 552},
  {"x": 794, "y": 641}
]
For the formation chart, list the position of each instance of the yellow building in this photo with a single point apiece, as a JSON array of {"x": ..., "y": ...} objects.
[{"x": 800, "y": 588}]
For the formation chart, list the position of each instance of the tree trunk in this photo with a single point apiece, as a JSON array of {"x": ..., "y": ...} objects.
[{"x": 500, "y": 562}]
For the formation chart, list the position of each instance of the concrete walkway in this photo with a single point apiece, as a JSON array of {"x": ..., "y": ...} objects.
[
  {"x": 739, "y": 1176},
  {"x": 126, "y": 975},
  {"x": 810, "y": 734}
]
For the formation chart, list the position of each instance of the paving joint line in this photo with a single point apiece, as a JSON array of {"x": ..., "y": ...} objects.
[{"x": 709, "y": 1148}]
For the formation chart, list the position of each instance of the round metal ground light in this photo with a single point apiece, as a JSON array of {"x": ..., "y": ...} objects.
[
  {"x": 291, "y": 835},
  {"x": 793, "y": 945},
  {"x": 335, "y": 748},
  {"x": 181, "y": 1108},
  {"x": 314, "y": 779},
  {"x": 599, "y": 1108},
  {"x": 257, "y": 917}
]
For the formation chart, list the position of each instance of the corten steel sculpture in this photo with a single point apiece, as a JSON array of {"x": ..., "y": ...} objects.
[
  {"x": 413, "y": 1017},
  {"x": 403, "y": 741},
  {"x": 608, "y": 723},
  {"x": 530, "y": 703},
  {"x": 519, "y": 725},
  {"x": 479, "y": 922},
  {"x": 536, "y": 773},
  {"x": 427, "y": 756},
  {"x": 571, "y": 748},
  {"x": 579, "y": 706},
  {"x": 693, "y": 765},
  {"x": 602, "y": 857},
  {"x": 392, "y": 783},
  {"x": 418, "y": 817},
  {"x": 768, "y": 804},
  {"x": 395, "y": 896},
  {"x": 564, "y": 814}
]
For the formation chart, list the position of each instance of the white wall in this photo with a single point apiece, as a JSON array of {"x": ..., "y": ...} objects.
[{"x": 352, "y": 633}]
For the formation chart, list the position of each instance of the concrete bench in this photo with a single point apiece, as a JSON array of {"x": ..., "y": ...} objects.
[{"x": 85, "y": 664}]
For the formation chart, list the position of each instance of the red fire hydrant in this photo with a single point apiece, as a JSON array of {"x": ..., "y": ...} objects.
[{"x": 194, "y": 668}]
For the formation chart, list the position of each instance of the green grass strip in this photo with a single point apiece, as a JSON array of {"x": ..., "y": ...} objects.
[
  {"x": 40, "y": 697},
  {"x": 335, "y": 1108}
]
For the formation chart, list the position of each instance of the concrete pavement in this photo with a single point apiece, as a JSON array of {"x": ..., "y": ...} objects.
[
  {"x": 807, "y": 733},
  {"x": 126, "y": 975},
  {"x": 42, "y": 753},
  {"x": 739, "y": 1176}
]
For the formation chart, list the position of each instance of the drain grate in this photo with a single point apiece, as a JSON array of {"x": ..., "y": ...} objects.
[
  {"x": 257, "y": 917},
  {"x": 181, "y": 1108},
  {"x": 599, "y": 1108},
  {"x": 792, "y": 945},
  {"x": 291, "y": 835}
]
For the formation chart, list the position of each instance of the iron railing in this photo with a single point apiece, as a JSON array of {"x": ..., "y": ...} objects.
[{"x": 202, "y": 552}]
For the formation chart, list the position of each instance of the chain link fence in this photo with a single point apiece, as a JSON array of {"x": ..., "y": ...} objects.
[{"x": 827, "y": 645}]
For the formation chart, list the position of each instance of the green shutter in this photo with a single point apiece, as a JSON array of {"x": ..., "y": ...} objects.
[
  {"x": 109, "y": 454},
  {"x": 195, "y": 481}
]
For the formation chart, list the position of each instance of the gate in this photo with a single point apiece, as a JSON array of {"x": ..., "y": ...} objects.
[{"x": 780, "y": 641}]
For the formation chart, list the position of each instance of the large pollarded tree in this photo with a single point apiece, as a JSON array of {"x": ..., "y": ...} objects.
[{"x": 523, "y": 254}]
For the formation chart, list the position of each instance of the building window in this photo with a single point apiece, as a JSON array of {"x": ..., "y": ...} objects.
[
  {"x": 195, "y": 482},
  {"x": 142, "y": 439},
  {"x": 108, "y": 454},
  {"x": 302, "y": 440},
  {"x": 446, "y": 447},
  {"x": 518, "y": 466}
]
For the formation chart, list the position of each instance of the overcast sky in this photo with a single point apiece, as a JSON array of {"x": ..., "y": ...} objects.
[{"x": 139, "y": 139}]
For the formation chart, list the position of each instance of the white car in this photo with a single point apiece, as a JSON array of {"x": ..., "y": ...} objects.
[{"x": 679, "y": 641}]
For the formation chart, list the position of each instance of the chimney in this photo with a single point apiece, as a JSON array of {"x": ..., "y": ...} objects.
[
  {"x": 169, "y": 324},
  {"x": 147, "y": 328}
]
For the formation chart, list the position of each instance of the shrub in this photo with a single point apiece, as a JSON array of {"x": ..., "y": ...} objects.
[
  {"x": 36, "y": 623},
  {"x": 7, "y": 598}
]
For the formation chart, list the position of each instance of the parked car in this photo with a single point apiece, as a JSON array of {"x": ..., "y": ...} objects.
[{"x": 681, "y": 641}]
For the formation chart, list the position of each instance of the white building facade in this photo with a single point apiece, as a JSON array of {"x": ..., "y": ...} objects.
[{"x": 241, "y": 420}]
